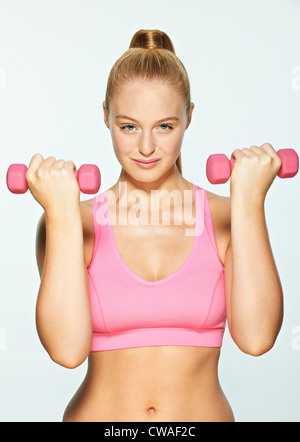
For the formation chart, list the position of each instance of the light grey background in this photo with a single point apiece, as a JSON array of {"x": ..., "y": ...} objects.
[{"x": 243, "y": 60}]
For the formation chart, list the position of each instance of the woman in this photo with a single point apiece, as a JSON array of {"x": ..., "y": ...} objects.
[{"x": 146, "y": 302}]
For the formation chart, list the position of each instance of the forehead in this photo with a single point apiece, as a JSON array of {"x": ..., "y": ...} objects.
[{"x": 147, "y": 98}]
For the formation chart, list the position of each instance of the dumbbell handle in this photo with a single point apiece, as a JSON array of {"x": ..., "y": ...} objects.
[
  {"x": 219, "y": 167},
  {"x": 88, "y": 177}
]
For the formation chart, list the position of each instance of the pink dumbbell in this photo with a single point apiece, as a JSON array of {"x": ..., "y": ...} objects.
[
  {"x": 219, "y": 167},
  {"x": 88, "y": 177}
]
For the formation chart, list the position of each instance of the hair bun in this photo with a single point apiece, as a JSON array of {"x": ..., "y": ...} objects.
[{"x": 151, "y": 39}]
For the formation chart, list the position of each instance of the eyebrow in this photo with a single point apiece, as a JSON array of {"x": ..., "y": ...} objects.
[{"x": 132, "y": 119}]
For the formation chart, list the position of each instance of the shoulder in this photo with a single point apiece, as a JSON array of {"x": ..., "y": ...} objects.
[
  {"x": 86, "y": 209},
  {"x": 87, "y": 218},
  {"x": 220, "y": 208}
]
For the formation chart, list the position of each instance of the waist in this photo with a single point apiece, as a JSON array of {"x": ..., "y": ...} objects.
[{"x": 154, "y": 376}]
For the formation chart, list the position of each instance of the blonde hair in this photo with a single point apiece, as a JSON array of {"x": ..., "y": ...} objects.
[{"x": 150, "y": 56}]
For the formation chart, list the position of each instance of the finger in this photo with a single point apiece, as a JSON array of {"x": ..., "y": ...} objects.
[
  {"x": 35, "y": 161},
  {"x": 276, "y": 160},
  {"x": 247, "y": 152},
  {"x": 258, "y": 150},
  {"x": 237, "y": 154},
  {"x": 49, "y": 161},
  {"x": 70, "y": 164},
  {"x": 58, "y": 164},
  {"x": 260, "y": 154},
  {"x": 267, "y": 147}
]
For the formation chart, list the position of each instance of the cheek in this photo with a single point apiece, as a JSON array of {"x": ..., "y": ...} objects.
[
  {"x": 172, "y": 144},
  {"x": 122, "y": 144}
]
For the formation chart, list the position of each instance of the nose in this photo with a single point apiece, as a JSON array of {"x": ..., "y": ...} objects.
[{"x": 147, "y": 144}]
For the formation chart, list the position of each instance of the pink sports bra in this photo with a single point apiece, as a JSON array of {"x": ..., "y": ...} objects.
[{"x": 186, "y": 308}]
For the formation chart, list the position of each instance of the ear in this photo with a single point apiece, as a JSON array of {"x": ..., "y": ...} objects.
[
  {"x": 190, "y": 115},
  {"x": 106, "y": 117}
]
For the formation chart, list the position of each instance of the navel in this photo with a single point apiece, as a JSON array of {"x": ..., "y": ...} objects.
[{"x": 151, "y": 410}]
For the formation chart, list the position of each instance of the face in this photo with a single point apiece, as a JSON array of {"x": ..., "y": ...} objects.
[{"x": 147, "y": 120}]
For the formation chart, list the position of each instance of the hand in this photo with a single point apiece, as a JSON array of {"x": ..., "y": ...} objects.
[
  {"x": 254, "y": 171},
  {"x": 53, "y": 183}
]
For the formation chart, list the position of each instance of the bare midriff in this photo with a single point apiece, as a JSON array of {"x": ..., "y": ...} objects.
[{"x": 151, "y": 384}]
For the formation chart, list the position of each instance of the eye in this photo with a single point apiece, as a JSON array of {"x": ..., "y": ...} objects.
[
  {"x": 125, "y": 128},
  {"x": 131, "y": 127},
  {"x": 167, "y": 126}
]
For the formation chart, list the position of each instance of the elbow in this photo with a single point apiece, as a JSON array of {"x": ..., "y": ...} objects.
[
  {"x": 255, "y": 346},
  {"x": 67, "y": 357},
  {"x": 256, "y": 350},
  {"x": 68, "y": 361},
  {"x": 255, "y": 342},
  {"x": 66, "y": 353}
]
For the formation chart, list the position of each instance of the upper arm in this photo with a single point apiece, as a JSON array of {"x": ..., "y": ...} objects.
[
  {"x": 88, "y": 231},
  {"x": 228, "y": 282},
  {"x": 40, "y": 244},
  {"x": 226, "y": 231}
]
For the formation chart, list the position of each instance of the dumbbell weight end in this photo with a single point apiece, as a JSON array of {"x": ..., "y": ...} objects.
[
  {"x": 219, "y": 167},
  {"x": 88, "y": 177}
]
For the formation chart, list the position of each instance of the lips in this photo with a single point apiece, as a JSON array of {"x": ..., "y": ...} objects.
[
  {"x": 147, "y": 164},
  {"x": 147, "y": 161}
]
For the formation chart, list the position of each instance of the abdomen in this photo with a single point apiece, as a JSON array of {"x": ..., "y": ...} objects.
[{"x": 151, "y": 384}]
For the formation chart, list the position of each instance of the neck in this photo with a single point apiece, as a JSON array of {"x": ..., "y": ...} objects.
[{"x": 170, "y": 181}]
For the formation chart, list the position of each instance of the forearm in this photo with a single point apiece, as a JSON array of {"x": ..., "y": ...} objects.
[
  {"x": 63, "y": 312},
  {"x": 256, "y": 295}
]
